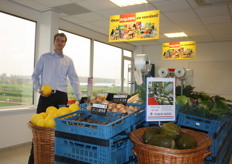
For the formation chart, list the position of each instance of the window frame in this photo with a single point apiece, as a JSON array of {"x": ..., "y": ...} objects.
[{"x": 21, "y": 107}]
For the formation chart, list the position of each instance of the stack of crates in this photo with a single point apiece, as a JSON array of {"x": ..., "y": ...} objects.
[
  {"x": 84, "y": 142},
  {"x": 219, "y": 131}
]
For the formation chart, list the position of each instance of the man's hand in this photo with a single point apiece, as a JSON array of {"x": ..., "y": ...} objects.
[{"x": 41, "y": 93}]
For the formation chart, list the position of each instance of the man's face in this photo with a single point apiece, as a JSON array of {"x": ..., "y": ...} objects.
[{"x": 59, "y": 43}]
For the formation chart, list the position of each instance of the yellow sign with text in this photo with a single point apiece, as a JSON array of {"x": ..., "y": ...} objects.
[
  {"x": 134, "y": 26},
  {"x": 179, "y": 50}
]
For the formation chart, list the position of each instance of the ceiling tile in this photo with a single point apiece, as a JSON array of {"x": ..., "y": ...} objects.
[
  {"x": 102, "y": 24},
  {"x": 219, "y": 26},
  {"x": 139, "y": 8},
  {"x": 202, "y": 38},
  {"x": 216, "y": 19},
  {"x": 172, "y": 5},
  {"x": 52, "y": 3},
  {"x": 212, "y": 11},
  {"x": 94, "y": 5},
  {"x": 184, "y": 15},
  {"x": 71, "y": 9},
  {"x": 110, "y": 12},
  {"x": 32, "y": 4},
  {"x": 87, "y": 17}
]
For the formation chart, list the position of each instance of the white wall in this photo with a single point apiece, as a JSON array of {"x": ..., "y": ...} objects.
[
  {"x": 14, "y": 128},
  {"x": 211, "y": 68}
]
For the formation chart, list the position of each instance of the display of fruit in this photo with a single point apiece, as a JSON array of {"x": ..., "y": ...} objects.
[
  {"x": 149, "y": 133},
  {"x": 170, "y": 129},
  {"x": 62, "y": 111},
  {"x": 49, "y": 122},
  {"x": 169, "y": 135},
  {"x": 46, "y": 90},
  {"x": 51, "y": 108},
  {"x": 74, "y": 107},
  {"x": 47, "y": 119},
  {"x": 35, "y": 118},
  {"x": 186, "y": 141},
  {"x": 162, "y": 140}
]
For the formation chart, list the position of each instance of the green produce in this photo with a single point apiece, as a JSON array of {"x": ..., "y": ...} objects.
[
  {"x": 220, "y": 107},
  {"x": 162, "y": 140},
  {"x": 217, "y": 98},
  {"x": 206, "y": 104},
  {"x": 182, "y": 100},
  {"x": 200, "y": 95},
  {"x": 186, "y": 141},
  {"x": 170, "y": 129},
  {"x": 187, "y": 90},
  {"x": 149, "y": 133}
]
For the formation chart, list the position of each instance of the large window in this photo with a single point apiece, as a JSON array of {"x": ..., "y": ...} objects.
[
  {"x": 17, "y": 59},
  {"x": 106, "y": 69},
  {"x": 78, "y": 48}
]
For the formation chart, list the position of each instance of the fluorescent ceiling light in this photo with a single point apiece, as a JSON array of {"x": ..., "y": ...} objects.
[
  {"x": 123, "y": 3},
  {"x": 178, "y": 34}
]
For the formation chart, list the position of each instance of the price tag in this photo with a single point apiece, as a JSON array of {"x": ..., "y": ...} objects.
[
  {"x": 120, "y": 99},
  {"x": 99, "y": 109}
]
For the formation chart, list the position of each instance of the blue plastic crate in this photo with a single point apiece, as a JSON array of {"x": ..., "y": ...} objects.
[
  {"x": 217, "y": 130},
  {"x": 221, "y": 144},
  {"x": 138, "y": 115},
  {"x": 224, "y": 153},
  {"x": 117, "y": 124},
  {"x": 83, "y": 105},
  {"x": 200, "y": 123},
  {"x": 116, "y": 152}
]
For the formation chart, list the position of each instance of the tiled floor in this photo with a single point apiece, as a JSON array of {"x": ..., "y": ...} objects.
[
  {"x": 15, "y": 156},
  {"x": 20, "y": 155}
]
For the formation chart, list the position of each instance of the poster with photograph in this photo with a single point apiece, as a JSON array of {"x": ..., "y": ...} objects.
[
  {"x": 179, "y": 50},
  {"x": 134, "y": 26},
  {"x": 160, "y": 99}
]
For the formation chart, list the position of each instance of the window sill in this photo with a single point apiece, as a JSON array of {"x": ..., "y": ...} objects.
[{"x": 17, "y": 109}]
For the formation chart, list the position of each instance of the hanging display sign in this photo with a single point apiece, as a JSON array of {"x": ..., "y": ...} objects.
[
  {"x": 134, "y": 26},
  {"x": 179, "y": 50},
  {"x": 160, "y": 99}
]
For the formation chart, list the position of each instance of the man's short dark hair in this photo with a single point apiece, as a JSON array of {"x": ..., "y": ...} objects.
[{"x": 60, "y": 34}]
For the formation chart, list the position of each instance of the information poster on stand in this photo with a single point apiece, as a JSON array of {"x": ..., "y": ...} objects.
[{"x": 160, "y": 99}]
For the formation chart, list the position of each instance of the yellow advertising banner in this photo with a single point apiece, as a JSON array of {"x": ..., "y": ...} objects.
[
  {"x": 179, "y": 50},
  {"x": 134, "y": 26}
]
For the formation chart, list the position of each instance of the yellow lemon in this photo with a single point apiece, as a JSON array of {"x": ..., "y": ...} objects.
[
  {"x": 41, "y": 122},
  {"x": 62, "y": 111},
  {"x": 51, "y": 108},
  {"x": 74, "y": 107},
  {"x": 49, "y": 122},
  {"x": 44, "y": 114},
  {"x": 46, "y": 90},
  {"x": 35, "y": 118},
  {"x": 52, "y": 114}
]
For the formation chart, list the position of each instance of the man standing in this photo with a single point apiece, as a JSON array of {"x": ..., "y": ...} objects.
[{"x": 53, "y": 69}]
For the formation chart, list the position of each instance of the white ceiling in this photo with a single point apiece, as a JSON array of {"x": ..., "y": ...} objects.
[{"x": 201, "y": 21}]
